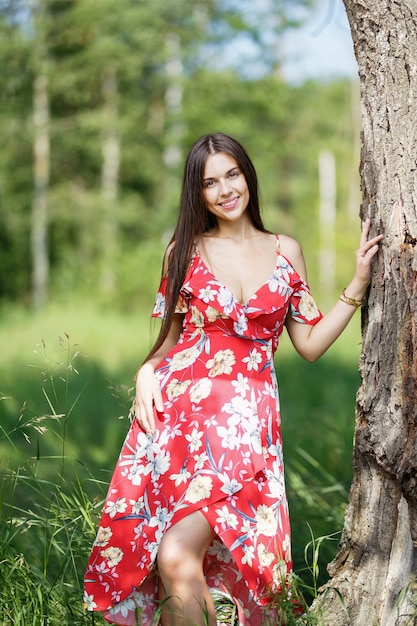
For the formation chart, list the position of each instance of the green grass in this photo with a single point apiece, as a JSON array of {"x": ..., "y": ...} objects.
[{"x": 65, "y": 377}]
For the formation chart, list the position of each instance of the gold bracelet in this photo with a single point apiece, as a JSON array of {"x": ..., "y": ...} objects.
[{"x": 344, "y": 298}]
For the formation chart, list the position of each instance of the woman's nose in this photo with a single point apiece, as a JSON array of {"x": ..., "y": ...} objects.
[{"x": 225, "y": 187}]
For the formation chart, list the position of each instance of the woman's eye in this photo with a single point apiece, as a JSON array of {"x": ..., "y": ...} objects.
[
  {"x": 234, "y": 174},
  {"x": 208, "y": 183}
]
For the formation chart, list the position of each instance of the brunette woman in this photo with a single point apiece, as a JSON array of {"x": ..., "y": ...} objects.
[{"x": 197, "y": 501}]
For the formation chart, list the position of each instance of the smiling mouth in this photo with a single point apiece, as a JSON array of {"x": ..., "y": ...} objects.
[{"x": 230, "y": 204}]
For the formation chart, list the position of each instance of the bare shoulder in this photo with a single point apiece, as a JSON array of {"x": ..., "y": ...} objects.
[
  {"x": 291, "y": 249},
  {"x": 167, "y": 256}
]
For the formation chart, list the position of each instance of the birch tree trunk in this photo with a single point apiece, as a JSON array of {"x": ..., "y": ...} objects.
[
  {"x": 109, "y": 181},
  {"x": 374, "y": 571},
  {"x": 41, "y": 167}
]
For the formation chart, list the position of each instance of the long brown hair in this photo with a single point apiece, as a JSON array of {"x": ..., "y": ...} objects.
[{"x": 194, "y": 219}]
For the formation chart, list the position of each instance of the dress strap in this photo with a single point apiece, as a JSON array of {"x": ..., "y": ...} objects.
[{"x": 278, "y": 244}]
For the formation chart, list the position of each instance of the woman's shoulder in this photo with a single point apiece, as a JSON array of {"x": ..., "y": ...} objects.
[
  {"x": 291, "y": 249},
  {"x": 167, "y": 256}
]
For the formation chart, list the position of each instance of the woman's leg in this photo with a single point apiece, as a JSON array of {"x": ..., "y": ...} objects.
[{"x": 180, "y": 567}]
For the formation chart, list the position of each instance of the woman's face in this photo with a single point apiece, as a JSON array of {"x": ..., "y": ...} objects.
[{"x": 225, "y": 190}]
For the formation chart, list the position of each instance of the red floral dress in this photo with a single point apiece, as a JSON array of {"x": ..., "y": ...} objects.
[{"x": 217, "y": 449}]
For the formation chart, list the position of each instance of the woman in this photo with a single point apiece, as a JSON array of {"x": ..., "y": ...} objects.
[{"x": 197, "y": 501}]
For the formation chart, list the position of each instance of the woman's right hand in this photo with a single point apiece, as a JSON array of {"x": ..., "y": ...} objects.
[{"x": 148, "y": 397}]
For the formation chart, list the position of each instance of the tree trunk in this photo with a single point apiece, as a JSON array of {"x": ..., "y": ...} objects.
[
  {"x": 41, "y": 167},
  {"x": 374, "y": 573},
  {"x": 109, "y": 181}
]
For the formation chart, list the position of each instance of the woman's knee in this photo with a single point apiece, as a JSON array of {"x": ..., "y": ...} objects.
[
  {"x": 183, "y": 547},
  {"x": 174, "y": 561}
]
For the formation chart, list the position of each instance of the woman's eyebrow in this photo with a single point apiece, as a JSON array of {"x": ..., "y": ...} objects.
[{"x": 228, "y": 172}]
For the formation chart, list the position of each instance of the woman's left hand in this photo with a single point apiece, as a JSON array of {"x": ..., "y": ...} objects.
[{"x": 365, "y": 253}]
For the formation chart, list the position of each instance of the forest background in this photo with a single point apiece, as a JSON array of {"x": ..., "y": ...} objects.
[{"x": 99, "y": 103}]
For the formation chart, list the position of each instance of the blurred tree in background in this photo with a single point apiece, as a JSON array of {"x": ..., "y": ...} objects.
[{"x": 100, "y": 102}]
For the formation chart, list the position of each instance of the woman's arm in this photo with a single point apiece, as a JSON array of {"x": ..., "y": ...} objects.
[
  {"x": 148, "y": 390},
  {"x": 312, "y": 341}
]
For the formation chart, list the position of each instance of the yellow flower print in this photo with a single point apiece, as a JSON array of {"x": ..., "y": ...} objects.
[
  {"x": 103, "y": 536},
  {"x": 199, "y": 489},
  {"x": 221, "y": 363},
  {"x": 265, "y": 557},
  {"x": 212, "y": 314},
  {"x": 308, "y": 307},
  {"x": 181, "y": 306},
  {"x": 200, "y": 390},
  {"x": 197, "y": 317},
  {"x": 113, "y": 555},
  {"x": 183, "y": 359},
  {"x": 266, "y": 523},
  {"x": 177, "y": 387}
]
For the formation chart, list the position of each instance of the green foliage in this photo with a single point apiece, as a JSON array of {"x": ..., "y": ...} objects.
[{"x": 170, "y": 86}]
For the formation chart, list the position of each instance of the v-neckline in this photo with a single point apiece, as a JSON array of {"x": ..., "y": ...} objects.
[{"x": 222, "y": 284}]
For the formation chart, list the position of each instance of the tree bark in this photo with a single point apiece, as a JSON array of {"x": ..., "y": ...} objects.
[{"x": 373, "y": 577}]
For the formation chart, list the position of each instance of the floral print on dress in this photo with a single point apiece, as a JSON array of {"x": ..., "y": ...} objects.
[{"x": 217, "y": 449}]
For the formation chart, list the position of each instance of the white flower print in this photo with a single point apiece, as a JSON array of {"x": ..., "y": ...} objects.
[
  {"x": 145, "y": 447},
  {"x": 103, "y": 537},
  {"x": 160, "y": 518},
  {"x": 182, "y": 476},
  {"x": 183, "y": 359},
  {"x": 137, "y": 505},
  {"x": 241, "y": 326},
  {"x": 265, "y": 557},
  {"x": 170, "y": 432},
  {"x": 113, "y": 555},
  {"x": 266, "y": 522},
  {"x": 226, "y": 299},
  {"x": 159, "y": 308},
  {"x": 219, "y": 550},
  {"x": 230, "y": 486},
  {"x": 124, "y": 607},
  {"x": 112, "y": 508},
  {"x": 141, "y": 599},
  {"x": 195, "y": 440},
  {"x": 229, "y": 437},
  {"x": 199, "y": 488},
  {"x": 238, "y": 407},
  {"x": 308, "y": 307},
  {"x": 135, "y": 474},
  {"x": 241, "y": 384},
  {"x": 249, "y": 553},
  {"x": 200, "y": 460},
  {"x": 221, "y": 363},
  {"x": 200, "y": 390},
  {"x": 286, "y": 547},
  {"x": 276, "y": 483},
  {"x": 158, "y": 465},
  {"x": 207, "y": 294},
  {"x": 226, "y": 518},
  {"x": 253, "y": 360},
  {"x": 89, "y": 603},
  {"x": 176, "y": 388},
  {"x": 269, "y": 390},
  {"x": 279, "y": 280}
]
